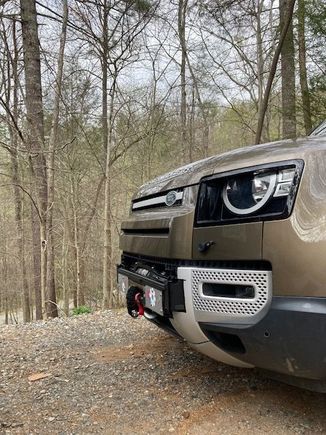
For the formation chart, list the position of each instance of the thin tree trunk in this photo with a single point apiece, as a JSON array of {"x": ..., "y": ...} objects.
[
  {"x": 5, "y": 277},
  {"x": 152, "y": 121},
  {"x": 80, "y": 296},
  {"x": 192, "y": 126},
  {"x": 65, "y": 288},
  {"x": 286, "y": 23},
  {"x": 107, "y": 137},
  {"x": 91, "y": 215},
  {"x": 16, "y": 181},
  {"x": 205, "y": 144},
  {"x": 75, "y": 243},
  {"x": 303, "y": 67},
  {"x": 85, "y": 232},
  {"x": 52, "y": 310},
  {"x": 6, "y": 310},
  {"x": 107, "y": 253},
  {"x": 260, "y": 57},
  {"x": 36, "y": 263},
  {"x": 183, "y": 106},
  {"x": 20, "y": 238},
  {"x": 288, "y": 76},
  {"x": 45, "y": 297}
]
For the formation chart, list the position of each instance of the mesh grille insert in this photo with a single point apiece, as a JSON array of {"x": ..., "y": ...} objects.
[{"x": 240, "y": 307}]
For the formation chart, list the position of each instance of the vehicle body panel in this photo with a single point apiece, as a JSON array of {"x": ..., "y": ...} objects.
[
  {"x": 296, "y": 247},
  {"x": 174, "y": 243},
  {"x": 231, "y": 242}
]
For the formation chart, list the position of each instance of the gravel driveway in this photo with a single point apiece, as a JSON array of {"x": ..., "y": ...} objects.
[{"x": 109, "y": 374}]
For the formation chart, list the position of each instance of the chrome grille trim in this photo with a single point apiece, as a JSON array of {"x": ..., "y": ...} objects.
[
  {"x": 156, "y": 201},
  {"x": 231, "y": 310}
]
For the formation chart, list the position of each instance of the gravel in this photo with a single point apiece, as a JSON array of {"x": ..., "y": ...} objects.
[{"x": 106, "y": 373}]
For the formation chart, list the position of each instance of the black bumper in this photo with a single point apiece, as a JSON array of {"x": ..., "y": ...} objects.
[{"x": 289, "y": 340}]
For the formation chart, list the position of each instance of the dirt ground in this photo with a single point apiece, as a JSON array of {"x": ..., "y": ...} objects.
[{"x": 106, "y": 373}]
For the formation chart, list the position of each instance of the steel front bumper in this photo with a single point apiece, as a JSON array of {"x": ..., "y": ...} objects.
[
  {"x": 285, "y": 336},
  {"x": 186, "y": 305}
]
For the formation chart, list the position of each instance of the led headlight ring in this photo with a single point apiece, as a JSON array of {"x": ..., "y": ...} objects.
[{"x": 260, "y": 204}]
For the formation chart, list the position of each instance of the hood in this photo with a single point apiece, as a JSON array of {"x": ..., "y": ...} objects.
[{"x": 239, "y": 158}]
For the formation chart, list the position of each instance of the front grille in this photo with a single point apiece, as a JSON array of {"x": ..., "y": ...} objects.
[
  {"x": 146, "y": 231},
  {"x": 164, "y": 199},
  {"x": 241, "y": 307}
]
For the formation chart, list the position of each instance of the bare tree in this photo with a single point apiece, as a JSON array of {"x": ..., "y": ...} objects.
[
  {"x": 182, "y": 14},
  {"x": 288, "y": 73},
  {"x": 11, "y": 84},
  {"x": 305, "y": 96},
  {"x": 113, "y": 44},
  {"x": 35, "y": 130},
  {"x": 53, "y": 142},
  {"x": 284, "y": 29}
]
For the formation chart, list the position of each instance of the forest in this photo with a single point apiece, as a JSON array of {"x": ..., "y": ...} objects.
[{"x": 99, "y": 96}]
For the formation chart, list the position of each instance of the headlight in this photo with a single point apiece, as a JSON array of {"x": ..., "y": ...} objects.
[
  {"x": 247, "y": 195},
  {"x": 260, "y": 192}
]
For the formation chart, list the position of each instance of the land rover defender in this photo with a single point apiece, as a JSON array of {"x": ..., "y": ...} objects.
[{"x": 230, "y": 254}]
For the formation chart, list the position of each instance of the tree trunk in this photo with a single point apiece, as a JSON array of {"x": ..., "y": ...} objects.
[
  {"x": 85, "y": 233},
  {"x": 288, "y": 76},
  {"x": 107, "y": 132},
  {"x": 107, "y": 252},
  {"x": 303, "y": 67},
  {"x": 20, "y": 238},
  {"x": 260, "y": 57},
  {"x": 205, "y": 144},
  {"x": 74, "y": 236},
  {"x": 6, "y": 310},
  {"x": 4, "y": 278},
  {"x": 35, "y": 130},
  {"x": 36, "y": 263},
  {"x": 271, "y": 75},
  {"x": 192, "y": 126},
  {"x": 183, "y": 106},
  {"x": 65, "y": 289},
  {"x": 16, "y": 181},
  {"x": 52, "y": 310},
  {"x": 79, "y": 295}
]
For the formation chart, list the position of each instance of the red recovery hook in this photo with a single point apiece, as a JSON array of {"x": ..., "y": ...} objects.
[{"x": 140, "y": 306}]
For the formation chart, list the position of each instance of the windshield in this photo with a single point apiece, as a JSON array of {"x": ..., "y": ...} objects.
[{"x": 320, "y": 130}]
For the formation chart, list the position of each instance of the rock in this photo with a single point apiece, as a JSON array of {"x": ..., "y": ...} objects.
[
  {"x": 17, "y": 424},
  {"x": 38, "y": 376}
]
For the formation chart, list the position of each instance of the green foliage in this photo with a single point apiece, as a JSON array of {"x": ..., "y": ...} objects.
[
  {"x": 316, "y": 40},
  {"x": 83, "y": 309},
  {"x": 318, "y": 98},
  {"x": 142, "y": 6},
  {"x": 316, "y": 17}
]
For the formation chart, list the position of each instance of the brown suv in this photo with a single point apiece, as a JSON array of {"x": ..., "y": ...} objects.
[{"x": 230, "y": 253}]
